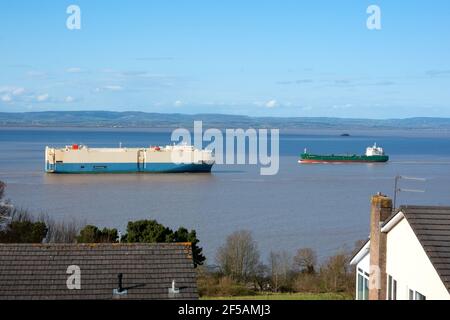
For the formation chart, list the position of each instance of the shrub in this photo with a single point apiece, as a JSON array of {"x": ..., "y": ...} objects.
[
  {"x": 92, "y": 234},
  {"x": 24, "y": 231},
  {"x": 151, "y": 231},
  {"x": 307, "y": 282},
  {"x": 215, "y": 285}
]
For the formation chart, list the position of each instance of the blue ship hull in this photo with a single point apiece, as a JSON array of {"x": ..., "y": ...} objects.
[{"x": 127, "y": 168}]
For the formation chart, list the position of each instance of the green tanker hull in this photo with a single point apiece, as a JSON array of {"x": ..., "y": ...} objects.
[{"x": 314, "y": 158}]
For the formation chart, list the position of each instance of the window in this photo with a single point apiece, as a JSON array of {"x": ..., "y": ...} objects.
[
  {"x": 420, "y": 296},
  {"x": 414, "y": 295},
  {"x": 362, "y": 285},
  {"x": 392, "y": 288}
]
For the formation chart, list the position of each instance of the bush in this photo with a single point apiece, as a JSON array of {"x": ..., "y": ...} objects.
[
  {"x": 150, "y": 231},
  {"x": 92, "y": 234},
  {"x": 336, "y": 275},
  {"x": 307, "y": 282},
  {"x": 228, "y": 287},
  {"x": 215, "y": 285},
  {"x": 24, "y": 231}
]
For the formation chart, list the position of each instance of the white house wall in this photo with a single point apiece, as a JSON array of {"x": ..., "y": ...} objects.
[
  {"x": 408, "y": 263},
  {"x": 364, "y": 264}
]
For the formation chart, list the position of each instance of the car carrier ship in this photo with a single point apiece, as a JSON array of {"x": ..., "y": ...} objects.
[
  {"x": 373, "y": 154},
  {"x": 82, "y": 159}
]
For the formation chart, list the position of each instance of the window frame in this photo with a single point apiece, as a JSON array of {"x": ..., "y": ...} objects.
[
  {"x": 416, "y": 295},
  {"x": 364, "y": 276},
  {"x": 391, "y": 288}
]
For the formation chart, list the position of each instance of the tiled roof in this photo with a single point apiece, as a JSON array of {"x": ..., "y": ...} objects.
[
  {"x": 432, "y": 227},
  {"x": 39, "y": 271}
]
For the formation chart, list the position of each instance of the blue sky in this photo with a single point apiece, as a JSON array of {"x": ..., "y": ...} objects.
[{"x": 265, "y": 58}]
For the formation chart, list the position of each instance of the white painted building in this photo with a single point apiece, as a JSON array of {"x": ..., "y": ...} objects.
[{"x": 411, "y": 256}]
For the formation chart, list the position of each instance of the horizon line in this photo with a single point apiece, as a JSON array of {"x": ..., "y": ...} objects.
[{"x": 223, "y": 114}]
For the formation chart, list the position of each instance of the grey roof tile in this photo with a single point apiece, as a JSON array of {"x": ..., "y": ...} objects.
[{"x": 39, "y": 271}]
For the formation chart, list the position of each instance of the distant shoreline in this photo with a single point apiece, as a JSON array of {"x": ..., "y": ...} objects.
[
  {"x": 328, "y": 132},
  {"x": 163, "y": 122}
]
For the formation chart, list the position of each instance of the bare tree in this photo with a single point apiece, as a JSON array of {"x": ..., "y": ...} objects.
[
  {"x": 57, "y": 231},
  {"x": 280, "y": 264},
  {"x": 305, "y": 260},
  {"x": 61, "y": 231},
  {"x": 2, "y": 189},
  {"x": 239, "y": 256},
  {"x": 6, "y": 209},
  {"x": 336, "y": 273}
]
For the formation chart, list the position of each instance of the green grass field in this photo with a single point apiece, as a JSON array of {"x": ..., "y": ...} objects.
[{"x": 286, "y": 296}]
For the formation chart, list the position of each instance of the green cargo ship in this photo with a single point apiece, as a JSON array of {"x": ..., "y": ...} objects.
[{"x": 373, "y": 154}]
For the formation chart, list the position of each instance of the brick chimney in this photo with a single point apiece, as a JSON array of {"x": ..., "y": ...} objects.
[{"x": 381, "y": 209}]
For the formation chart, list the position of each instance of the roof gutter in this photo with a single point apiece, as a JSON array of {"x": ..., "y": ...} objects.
[
  {"x": 393, "y": 222},
  {"x": 360, "y": 254}
]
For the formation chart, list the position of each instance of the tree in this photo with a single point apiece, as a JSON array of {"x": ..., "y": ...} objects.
[
  {"x": 183, "y": 235},
  {"x": 261, "y": 278},
  {"x": 23, "y": 232},
  {"x": 305, "y": 260},
  {"x": 336, "y": 274},
  {"x": 92, "y": 234},
  {"x": 239, "y": 256},
  {"x": 2, "y": 189},
  {"x": 280, "y": 264},
  {"x": 5, "y": 207},
  {"x": 61, "y": 231},
  {"x": 150, "y": 231}
]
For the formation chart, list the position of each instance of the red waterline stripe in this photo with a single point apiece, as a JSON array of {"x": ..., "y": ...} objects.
[{"x": 338, "y": 161}]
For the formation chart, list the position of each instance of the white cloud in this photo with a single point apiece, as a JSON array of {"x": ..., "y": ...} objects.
[
  {"x": 74, "y": 70},
  {"x": 15, "y": 91},
  {"x": 18, "y": 91},
  {"x": 42, "y": 97},
  {"x": 272, "y": 104},
  {"x": 108, "y": 88},
  {"x": 113, "y": 88},
  {"x": 178, "y": 103},
  {"x": 69, "y": 99},
  {"x": 6, "y": 98},
  {"x": 10, "y": 92}
]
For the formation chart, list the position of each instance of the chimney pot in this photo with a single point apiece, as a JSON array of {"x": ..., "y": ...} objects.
[{"x": 119, "y": 277}]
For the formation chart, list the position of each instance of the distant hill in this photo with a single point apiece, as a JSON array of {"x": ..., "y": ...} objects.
[{"x": 135, "y": 119}]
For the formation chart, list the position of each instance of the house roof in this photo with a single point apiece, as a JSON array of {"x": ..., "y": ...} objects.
[
  {"x": 40, "y": 271},
  {"x": 432, "y": 227}
]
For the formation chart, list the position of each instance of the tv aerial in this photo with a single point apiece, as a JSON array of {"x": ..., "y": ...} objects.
[{"x": 397, "y": 189}]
